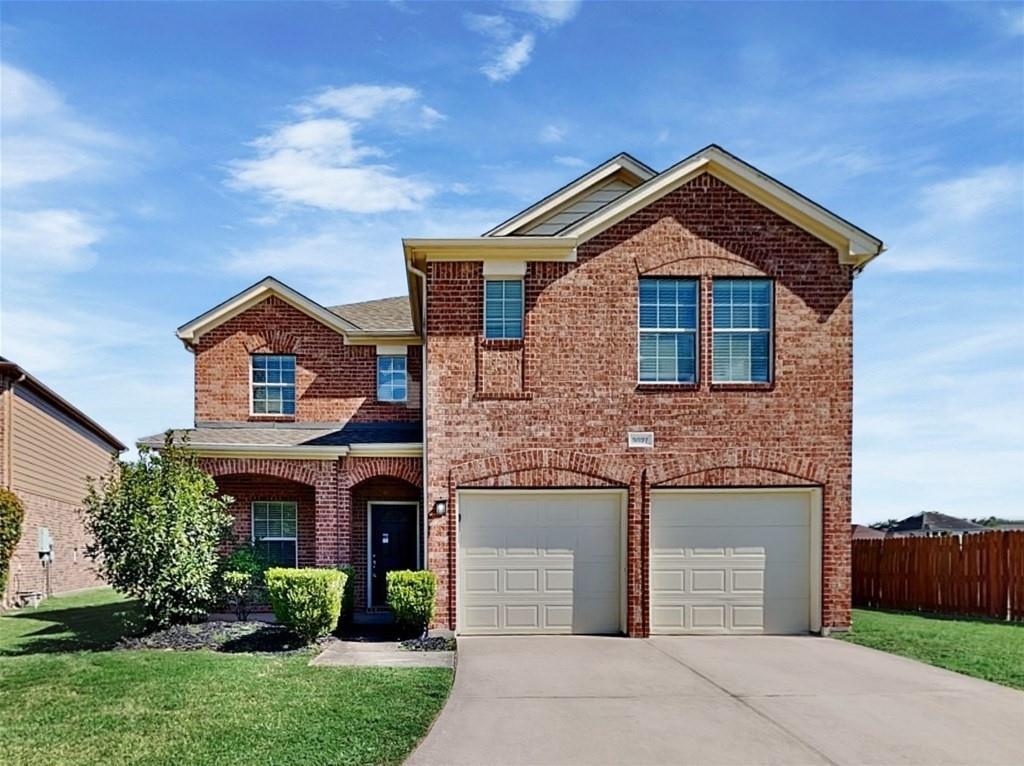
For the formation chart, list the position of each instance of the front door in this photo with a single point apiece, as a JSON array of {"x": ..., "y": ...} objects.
[{"x": 392, "y": 544}]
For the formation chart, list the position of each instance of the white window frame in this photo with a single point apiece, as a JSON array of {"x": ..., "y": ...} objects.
[
  {"x": 769, "y": 332},
  {"x": 674, "y": 331},
  {"x": 405, "y": 372},
  {"x": 252, "y": 525},
  {"x": 522, "y": 306},
  {"x": 253, "y": 384}
]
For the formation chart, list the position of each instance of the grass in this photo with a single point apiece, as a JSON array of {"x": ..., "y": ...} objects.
[
  {"x": 63, "y": 693},
  {"x": 984, "y": 649}
]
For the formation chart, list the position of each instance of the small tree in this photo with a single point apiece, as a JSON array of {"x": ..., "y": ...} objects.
[
  {"x": 157, "y": 524},
  {"x": 12, "y": 515}
]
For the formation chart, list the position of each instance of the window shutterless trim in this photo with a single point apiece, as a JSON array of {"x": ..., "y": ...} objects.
[
  {"x": 695, "y": 332},
  {"x": 522, "y": 309},
  {"x": 252, "y": 387},
  {"x": 252, "y": 525},
  {"x": 769, "y": 332},
  {"x": 405, "y": 375}
]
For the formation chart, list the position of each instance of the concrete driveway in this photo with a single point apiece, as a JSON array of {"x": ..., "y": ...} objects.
[{"x": 696, "y": 700}]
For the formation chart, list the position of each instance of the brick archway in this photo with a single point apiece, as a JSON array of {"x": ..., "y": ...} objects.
[
  {"x": 301, "y": 471},
  {"x": 543, "y": 462},
  {"x": 404, "y": 468},
  {"x": 736, "y": 466}
]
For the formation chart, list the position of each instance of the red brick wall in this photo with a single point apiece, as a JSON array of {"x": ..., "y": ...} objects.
[
  {"x": 579, "y": 396},
  {"x": 71, "y": 568},
  {"x": 248, "y": 489},
  {"x": 334, "y": 382}
]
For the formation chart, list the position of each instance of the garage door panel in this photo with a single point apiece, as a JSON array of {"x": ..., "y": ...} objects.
[
  {"x": 559, "y": 574},
  {"x": 730, "y": 562}
]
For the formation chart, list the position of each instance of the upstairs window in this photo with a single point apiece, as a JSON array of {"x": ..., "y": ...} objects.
[
  {"x": 275, "y": 531},
  {"x": 391, "y": 379},
  {"x": 742, "y": 330},
  {"x": 503, "y": 309},
  {"x": 668, "y": 330},
  {"x": 273, "y": 385}
]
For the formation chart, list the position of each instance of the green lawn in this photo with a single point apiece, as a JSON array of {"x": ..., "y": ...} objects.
[
  {"x": 64, "y": 698},
  {"x": 984, "y": 649}
]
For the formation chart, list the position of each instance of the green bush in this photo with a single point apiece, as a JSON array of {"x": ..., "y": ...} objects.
[
  {"x": 11, "y": 517},
  {"x": 411, "y": 598},
  {"x": 157, "y": 524},
  {"x": 249, "y": 560},
  {"x": 240, "y": 592},
  {"x": 308, "y": 601},
  {"x": 348, "y": 598}
]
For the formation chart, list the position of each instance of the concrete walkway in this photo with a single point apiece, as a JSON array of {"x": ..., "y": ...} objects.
[
  {"x": 710, "y": 700},
  {"x": 379, "y": 654}
]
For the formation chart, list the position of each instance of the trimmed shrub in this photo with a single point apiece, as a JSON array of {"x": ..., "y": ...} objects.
[
  {"x": 12, "y": 515},
  {"x": 411, "y": 598},
  {"x": 348, "y": 598},
  {"x": 249, "y": 560},
  {"x": 308, "y": 601}
]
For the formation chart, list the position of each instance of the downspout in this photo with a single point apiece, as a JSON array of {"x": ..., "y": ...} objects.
[{"x": 423, "y": 405}]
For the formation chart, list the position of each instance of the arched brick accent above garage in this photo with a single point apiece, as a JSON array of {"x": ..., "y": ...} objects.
[
  {"x": 732, "y": 467},
  {"x": 532, "y": 463}
]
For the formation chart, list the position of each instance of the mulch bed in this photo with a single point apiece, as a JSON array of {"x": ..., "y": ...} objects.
[
  {"x": 429, "y": 644},
  {"x": 219, "y": 636}
]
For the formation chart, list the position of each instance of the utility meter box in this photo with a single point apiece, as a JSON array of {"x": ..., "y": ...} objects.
[{"x": 45, "y": 545}]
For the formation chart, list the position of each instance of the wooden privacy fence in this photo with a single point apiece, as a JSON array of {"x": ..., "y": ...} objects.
[{"x": 981, "y": 575}]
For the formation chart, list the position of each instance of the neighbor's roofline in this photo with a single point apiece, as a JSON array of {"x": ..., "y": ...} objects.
[
  {"x": 621, "y": 161},
  {"x": 60, "y": 403}
]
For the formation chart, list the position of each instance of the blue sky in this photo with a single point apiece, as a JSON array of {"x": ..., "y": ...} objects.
[{"x": 160, "y": 157}]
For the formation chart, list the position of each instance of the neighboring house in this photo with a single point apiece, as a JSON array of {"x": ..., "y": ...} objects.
[
  {"x": 48, "y": 448},
  {"x": 934, "y": 524},
  {"x": 861, "y": 532},
  {"x": 637, "y": 397}
]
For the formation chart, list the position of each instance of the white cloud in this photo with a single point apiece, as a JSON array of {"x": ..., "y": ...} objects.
[
  {"x": 967, "y": 222},
  {"x": 361, "y": 102},
  {"x": 43, "y": 139},
  {"x": 510, "y": 59},
  {"x": 47, "y": 241},
  {"x": 571, "y": 162},
  {"x": 1013, "y": 18},
  {"x": 319, "y": 162},
  {"x": 550, "y": 13},
  {"x": 552, "y": 134},
  {"x": 491, "y": 25}
]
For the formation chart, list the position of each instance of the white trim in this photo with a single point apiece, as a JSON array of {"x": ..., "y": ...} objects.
[
  {"x": 506, "y": 269},
  {"x": 405, "y": 372},
  {"x": 294, "y": 384},
  {"x": 769, "y": 331},
  {"x": 670, "y": 331},
  {"x": 522, "y": 308},
  {"x": 558, "y": 249},
  {"x": 308, "y": 452},
  {"x": 369, "y": 541},
  {"x": 619, "y": 163},
  {"x": 624, "y": 511},
  {"x": 251, "y": 296},
  {"x": 252, "y": 526},
  {"x": 394, "y": 349},
  {"x": 855, "y": 246},
  {"x": 816, "y": 536},
  {"x": 385, "y": 449}
]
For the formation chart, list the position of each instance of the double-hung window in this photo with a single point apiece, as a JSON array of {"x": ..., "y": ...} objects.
[
  {"x": 273, "y": 384},
  {"x": 741, "y": 330},
  {"x": 391, "y": 379},
  {"x": 503, "y": 309},
  {"x": 275, "y": 531},
  {"x": 668, "y": 330}
]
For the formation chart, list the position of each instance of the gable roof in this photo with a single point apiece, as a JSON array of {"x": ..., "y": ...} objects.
[
  {"x": 21, "y": 377},
  {"x": 341, "y": 322},
  {"x": 381, "y": 314},
  {"x": 933, "y": 521},
  {"x": 622, "y": 164},
  {"x": 856, "y": 246}
]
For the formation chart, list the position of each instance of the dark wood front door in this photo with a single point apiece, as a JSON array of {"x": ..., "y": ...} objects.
[{"x": 392, "y": 544}]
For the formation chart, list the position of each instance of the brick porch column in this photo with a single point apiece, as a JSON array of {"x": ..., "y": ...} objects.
[{"x": 328, "y": 515}]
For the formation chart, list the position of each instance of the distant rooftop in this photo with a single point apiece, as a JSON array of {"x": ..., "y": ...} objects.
[{"x": 933, "y": 521}]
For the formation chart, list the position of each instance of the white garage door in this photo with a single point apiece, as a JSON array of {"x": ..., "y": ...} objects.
[
  {"x": 731, "y": 562},
  {"x": 539, "y": 562}
]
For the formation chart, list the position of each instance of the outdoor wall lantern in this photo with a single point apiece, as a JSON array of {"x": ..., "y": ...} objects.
[{"x": 440, "y": 507}]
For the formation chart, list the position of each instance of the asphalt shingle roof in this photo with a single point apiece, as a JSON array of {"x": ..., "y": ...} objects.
[
  {"x": 380, "y": 314},
  {"x": 933, "y": 521},
  {"x": 293, "y": 436}
]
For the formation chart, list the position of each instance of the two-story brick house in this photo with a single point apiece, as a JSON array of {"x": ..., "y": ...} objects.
[{"x": 636, "y": 399}]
